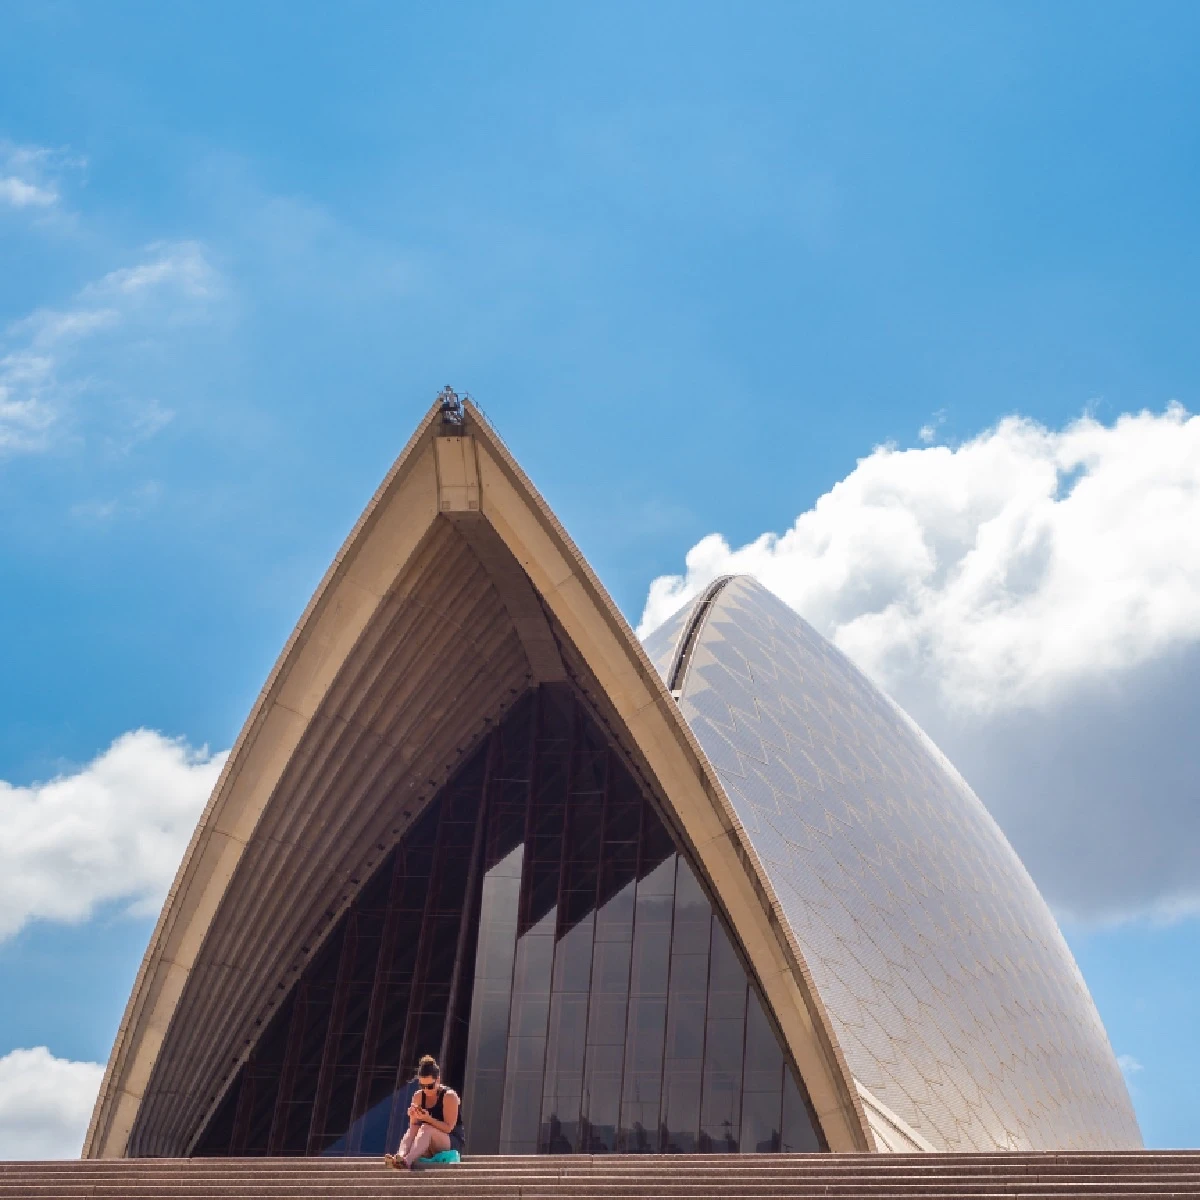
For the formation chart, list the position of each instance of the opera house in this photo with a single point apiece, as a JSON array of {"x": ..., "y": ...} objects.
[{"x": 716, "y": 893}]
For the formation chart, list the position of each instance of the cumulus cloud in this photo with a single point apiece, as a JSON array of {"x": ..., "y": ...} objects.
[
  {"x": 48, "y": 358},
  {"x": 113, "y": 832},
  {"x": 1032, "y": 597},
  {"x": 45, "y": 1104}
]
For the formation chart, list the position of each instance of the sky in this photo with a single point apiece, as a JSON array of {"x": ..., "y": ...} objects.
[{"x": 892, "y": 306}]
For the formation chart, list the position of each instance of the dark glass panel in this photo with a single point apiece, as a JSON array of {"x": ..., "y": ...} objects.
[
  {"x": 402, "y": 962},
  {"x": 651, "y": 950},
  {"x": 623, "y": 816},
  {"x": 370, "y": 924},
  {"x": 393, "y": 1015},
  {"x": 295, "y": 1120},
  {"x": 514, "y": 739},
  {"x": 579, "y": 899},
  {"x": 720, "y": 1108},
  {"x": 506, "y": 829},
  {"x": 546, "y": 851},
  {"x": 443, "y": 930},
  {"x": 584, "y": 828},
  {"x": 760, "y": 1122},
  {"x": 370, "y": 1133},
  {"x": 262, "y": 1094},
  {"x": 337, "y": 1112},
  {"x": 641, "y": 1093},
  {"x": 450, "y": 883},
  {"x": 219, "y": 1134},
  {"x": 533, "y": 966},
  {"x": 685, "y": 1031},
  {"x": 601, "y": 1101},
  {"x": 522, "y": 1089},
  {"x": 486, "y": 1094},
  {"x": 799, "y": 1129},
  {"x": 513, "y": 793},
  {"x": 543, "y": 893},
  {"x": 560, "y": 1133},
  {"x": 606, "y": 1022},
  {"x": 657, "y": 877},
  {"x": 720, "y": 1113},
  {"x": 354, "y": 1020},
  {"x": 591, "y": 771},
  {"x": 645, "y": 1032},
  {"x": 304, "y": 1087},
  {"x": 527, "y": 1055},
  {"x": 557, "y": 710},
  {"x": 693, "y": 914},
  {"x": 428, "y": 1037},
  {"x": 272, "y": 1045},
  {"x": 610, "y": 967},
  {"x": 487, "y": 1040},
  {"x": 567, "y": 1036},
  {"x": 723, "y": 1047},
  {"x": 416, "y": 887},
  {"x": 573, "y": 958},
  {"x": 764, "y": 1056},
  {"x": 726, "y": 977},
  {"x": 530, "y": 1015},
  {"x": 614, "y": 919},
  {"x": 657, "y": 846},
  {"x": 681, "y": 1111},
  {"x": 689, "y": 974}
]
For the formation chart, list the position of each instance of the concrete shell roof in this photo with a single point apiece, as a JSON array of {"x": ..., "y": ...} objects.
[
  {"x": 456, "y": 590},
  {"x": 955, "y": 999}
]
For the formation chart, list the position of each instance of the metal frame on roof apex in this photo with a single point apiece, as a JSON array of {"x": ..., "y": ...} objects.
[{"x": 450, "y": 405}]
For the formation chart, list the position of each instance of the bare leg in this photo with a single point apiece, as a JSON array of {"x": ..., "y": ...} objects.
[
  {"x": 400, "y": 1158},
  {"x": 427, "y": 1141}
]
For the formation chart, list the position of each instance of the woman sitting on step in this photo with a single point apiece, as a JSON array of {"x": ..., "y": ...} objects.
[{"x": 434, "y": 1119}]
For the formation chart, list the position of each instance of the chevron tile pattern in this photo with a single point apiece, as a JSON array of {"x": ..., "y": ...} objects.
[{"x": 954, "y": 996}]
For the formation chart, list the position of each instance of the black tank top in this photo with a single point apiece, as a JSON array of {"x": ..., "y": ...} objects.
[{"x": 437, "y": 1112}]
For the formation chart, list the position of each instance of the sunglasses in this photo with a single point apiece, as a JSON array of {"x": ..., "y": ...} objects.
[{"x": 430, "y": 1085}]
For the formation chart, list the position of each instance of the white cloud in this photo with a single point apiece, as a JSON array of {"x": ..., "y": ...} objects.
[
  {"x": 1032, "y": 597},
  {"x": 49, "y": 358},
  {"x": 181, "y": 267},
  {"x": 1128, "y": 1064},
  {"x": 30, "y": 177},
  {"x": 112, "y": 832},
  {"x": 45, "y": 1104},
  {"x": 928, "y": 432},
  {"x": 134, "y": 502},
  {"x": 20, "y": 194}
]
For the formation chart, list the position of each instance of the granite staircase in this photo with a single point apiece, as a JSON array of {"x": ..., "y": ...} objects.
[{"x": 1098, "y": 1176}]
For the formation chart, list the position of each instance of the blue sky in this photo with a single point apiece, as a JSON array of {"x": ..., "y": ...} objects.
[{"x": 696, "y": 261}]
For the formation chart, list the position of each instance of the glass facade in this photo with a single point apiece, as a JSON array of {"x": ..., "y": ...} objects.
[{"x": 538, "y": 931}]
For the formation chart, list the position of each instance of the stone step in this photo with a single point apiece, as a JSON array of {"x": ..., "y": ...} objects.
[
  {"x": 579, "y": 1165},
  {"x": 850, "y": 1187},
  {"x": 556, "y": 1192},
  {"x": 1099, "y": 1176}
]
